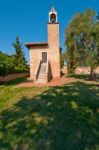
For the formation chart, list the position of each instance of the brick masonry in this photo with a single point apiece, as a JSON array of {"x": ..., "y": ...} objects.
[{"x": 53, "y": 52}]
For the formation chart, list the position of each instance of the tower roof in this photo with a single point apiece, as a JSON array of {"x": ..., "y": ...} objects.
[{"x": 53, "y": 9}]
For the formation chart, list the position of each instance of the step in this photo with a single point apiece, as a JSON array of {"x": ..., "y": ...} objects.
[
  {"x": 41, "y": 81},
  {"x": 42, "y": 74}
]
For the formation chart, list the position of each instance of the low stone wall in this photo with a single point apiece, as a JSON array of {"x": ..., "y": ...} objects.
[
  {"x": 81, "y": 70},
  {"x": 13, "y": 77},
  {"x": 85, "y": 70}
]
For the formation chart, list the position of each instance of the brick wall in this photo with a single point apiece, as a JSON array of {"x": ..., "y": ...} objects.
[{"x": 13, "y": 77}]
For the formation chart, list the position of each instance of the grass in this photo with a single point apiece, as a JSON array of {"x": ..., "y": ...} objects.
[
  {"x": 83, "y": 76},
  {"x": 79, "y": 76},
  {"x": 16, "y": 81},
  {"x": 52, "y": 118}
]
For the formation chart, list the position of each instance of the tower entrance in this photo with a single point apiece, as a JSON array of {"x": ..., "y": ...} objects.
[{"x": 44, "y": 57}]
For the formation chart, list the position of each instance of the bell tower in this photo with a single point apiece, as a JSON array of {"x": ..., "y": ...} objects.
[
  {"x": 53, "y": 28},
  {"x": 53, "y": 16},
  {"x": 53, "y": 42}
]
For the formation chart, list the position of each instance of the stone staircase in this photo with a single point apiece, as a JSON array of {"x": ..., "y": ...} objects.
[{"x": 42, "y": 78}]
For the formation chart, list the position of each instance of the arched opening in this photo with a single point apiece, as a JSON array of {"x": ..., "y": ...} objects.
[{"x": 53, "y": 18}]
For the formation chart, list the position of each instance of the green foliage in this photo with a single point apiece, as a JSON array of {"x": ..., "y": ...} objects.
[
  {"x": 15, "y": 63},
  {"x": 78, "y": 76},
  {"x": 19, "y": 57},
  {"x": 6, "y": 64},
  {"x": 82, "y": 41},
  {"x": 61, "y": 60}
]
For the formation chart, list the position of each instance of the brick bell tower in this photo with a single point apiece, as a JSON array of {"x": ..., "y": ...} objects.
[{"x": 53, "y": 43}]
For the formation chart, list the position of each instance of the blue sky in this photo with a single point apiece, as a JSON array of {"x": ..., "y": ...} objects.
[{"x": 28, "y": 19}]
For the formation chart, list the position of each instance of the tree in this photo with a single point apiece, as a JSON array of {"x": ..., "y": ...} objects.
[
  {"x": 92, "y": 46},
  {"x": 19, "y": 57},
  {"x": 13, "y": 63},
  {"x": 62, "y": 59},
  {"x": 6, "y": 64},
  {"x": 82, "y": 41}
]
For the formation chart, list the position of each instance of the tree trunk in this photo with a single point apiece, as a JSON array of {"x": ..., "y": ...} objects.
[{"x": 92, "y": 74}]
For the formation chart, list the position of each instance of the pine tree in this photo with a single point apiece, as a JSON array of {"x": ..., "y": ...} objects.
[{"x": 20, "y": 60}]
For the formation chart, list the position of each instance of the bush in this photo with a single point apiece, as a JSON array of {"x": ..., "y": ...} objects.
[
  {"x": 9, "y": 66},
  {"x": 20, "y": 69},
  {"x": 6, "y": 64}
]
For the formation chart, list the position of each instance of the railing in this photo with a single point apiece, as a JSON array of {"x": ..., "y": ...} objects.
[
  {"x": 47, "y": 66},
  {"x": 47, "y": 71},
  {"x": 37, "y": 70}
]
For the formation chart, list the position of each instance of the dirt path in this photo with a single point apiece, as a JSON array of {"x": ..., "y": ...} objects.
[{"x": 55, "y": 82}]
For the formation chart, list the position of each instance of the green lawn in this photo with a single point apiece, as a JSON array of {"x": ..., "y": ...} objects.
[{"x": 52, "y": 118}]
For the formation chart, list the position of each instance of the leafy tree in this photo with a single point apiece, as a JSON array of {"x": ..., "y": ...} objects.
[
  {"x": 6, "y": 64},
  {"x": 82, "y": 41},
  {"x": 92, "y": 46},
  {"x": 62, "y": 58},
  {"x": 14, "y": 63}
]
